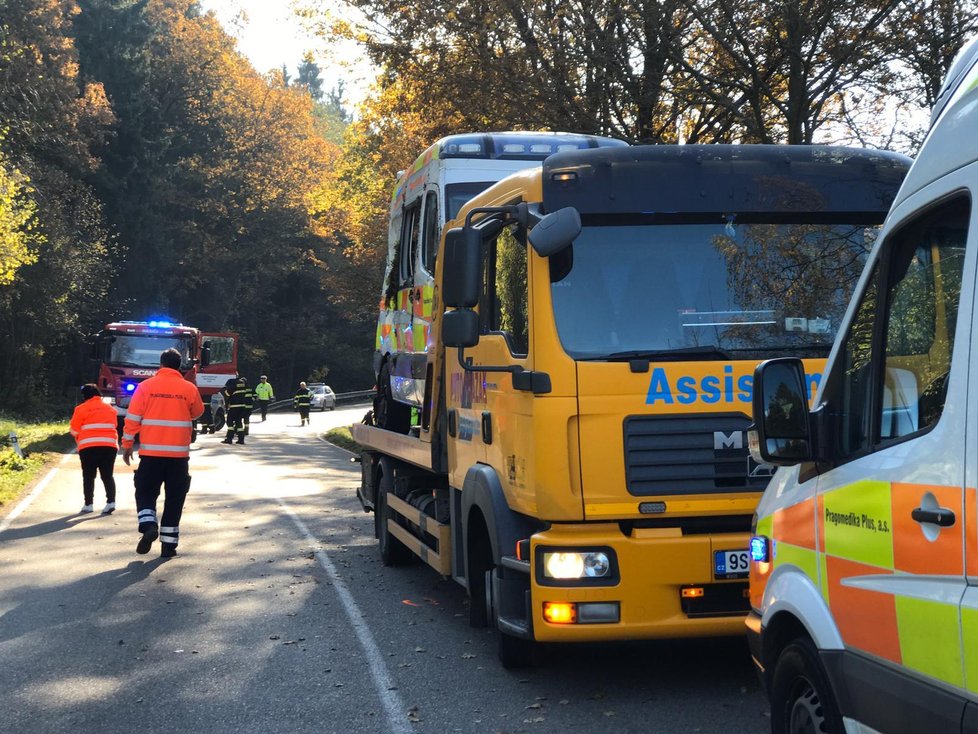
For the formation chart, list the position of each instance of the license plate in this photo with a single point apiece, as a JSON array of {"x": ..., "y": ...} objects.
[{"x": 731, "y": 564}]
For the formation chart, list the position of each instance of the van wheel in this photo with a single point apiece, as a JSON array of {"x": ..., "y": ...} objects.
[
  {"x": 392, "y": 551},
  {"x": 801, "y": 696},
  {"x": 388, "y": 413}
]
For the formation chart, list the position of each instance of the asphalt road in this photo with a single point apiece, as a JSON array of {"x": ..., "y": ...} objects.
[{"x": 277, "y": 616}]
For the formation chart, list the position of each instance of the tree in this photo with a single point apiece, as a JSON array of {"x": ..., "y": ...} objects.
[
  {"x": 308, "y": 76},
  {"x": 55, "y": 122},
  {"x": 18, "y": 222}
]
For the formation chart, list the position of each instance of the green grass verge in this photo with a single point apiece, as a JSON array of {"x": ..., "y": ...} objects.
[
  {"x": 40, "y": 443},
  {"x": 342, "y": 438}
]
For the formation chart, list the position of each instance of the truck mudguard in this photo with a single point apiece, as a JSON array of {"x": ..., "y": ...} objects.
[{"x": 482, "y": 489}]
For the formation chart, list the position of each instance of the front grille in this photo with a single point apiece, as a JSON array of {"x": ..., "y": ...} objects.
[{"x": 703, "y": 454}]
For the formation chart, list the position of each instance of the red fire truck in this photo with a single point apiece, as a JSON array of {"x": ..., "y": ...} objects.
[{"x": 129, "y": 351}]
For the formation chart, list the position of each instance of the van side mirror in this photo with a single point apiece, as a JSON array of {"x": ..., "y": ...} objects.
[
  {"x": 781, "y": 434},
  {"x": 462, "y": 268},
  {"x": 205, "y": 354},
  {"x": 555, "y": 232},
  {"x": 460, "y": 328}
]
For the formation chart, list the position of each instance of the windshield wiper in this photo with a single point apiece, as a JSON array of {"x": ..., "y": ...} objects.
[
  {"x": 708, "y": 352},
  {"x": 127, "y": 364}
]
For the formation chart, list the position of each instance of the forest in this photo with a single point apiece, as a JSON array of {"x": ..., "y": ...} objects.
[{"x": 148, "y": 170}]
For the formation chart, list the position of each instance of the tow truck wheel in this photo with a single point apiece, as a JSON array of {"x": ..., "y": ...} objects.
[
  {"x": 801, "y": 697},
  {"x": 514, "y": 652},
  {"x": 392, "y": 551},
  {"x": 218, "y": 422}
]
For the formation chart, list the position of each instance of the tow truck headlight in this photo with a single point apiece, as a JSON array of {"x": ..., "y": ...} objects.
[{"x": 566, "y": 565}]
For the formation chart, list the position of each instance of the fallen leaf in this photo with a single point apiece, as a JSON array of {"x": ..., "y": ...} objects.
[
  {"x": 465, "y": 656},
  {"x": 534, "y": 706}
]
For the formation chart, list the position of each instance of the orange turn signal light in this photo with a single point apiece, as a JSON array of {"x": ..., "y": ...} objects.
[
  {"x": 559, "y": 612},
  {"x": 693, "y": 592}
]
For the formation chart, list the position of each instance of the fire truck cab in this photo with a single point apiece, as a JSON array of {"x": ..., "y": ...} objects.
[{"x": 128, "y": 352}]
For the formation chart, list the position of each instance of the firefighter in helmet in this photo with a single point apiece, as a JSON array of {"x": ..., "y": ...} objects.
[{"x": 240, "y": 403}]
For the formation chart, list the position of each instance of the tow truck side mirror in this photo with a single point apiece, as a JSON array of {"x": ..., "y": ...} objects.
[
  {"x": 782, "y": 433},
  {"x": 556, "y": 231},
  {"x": 460, "y": 328},
  {"x": 205, "y": 354},
  {"x": 463, "y": 261}
]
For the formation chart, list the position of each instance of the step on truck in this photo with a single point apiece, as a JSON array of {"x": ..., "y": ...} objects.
[
  {"x": 579, "y": 461},
  {"x": 128, "y": 352}
]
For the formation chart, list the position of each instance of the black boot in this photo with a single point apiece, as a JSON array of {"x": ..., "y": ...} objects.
[
  {"x": 229, "y": 438},
  {"x": 150, "y": 533},
  {"x": 241, "y": 438}
]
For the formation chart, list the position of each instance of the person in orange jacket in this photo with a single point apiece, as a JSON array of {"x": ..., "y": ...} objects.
[
  {"x": 93, "y": 425},
  {"x": 162, "y": 412}
]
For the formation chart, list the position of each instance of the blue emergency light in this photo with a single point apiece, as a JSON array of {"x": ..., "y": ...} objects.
[
  {"x": 161, "y": 324},
  {"x": 130, "y": 386},
  {"x": 760, "y": 549}
]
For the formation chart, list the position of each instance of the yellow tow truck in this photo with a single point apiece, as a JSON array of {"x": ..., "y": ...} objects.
[{"x": 579, "y": 462}]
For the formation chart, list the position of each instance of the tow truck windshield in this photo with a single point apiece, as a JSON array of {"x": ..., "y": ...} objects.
[
  {"x": 696, "y": 291},
  {"x": 130, "y": 350}
]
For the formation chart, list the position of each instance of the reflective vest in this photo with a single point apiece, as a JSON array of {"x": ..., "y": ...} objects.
[
  {"x": 302, "y": 397},
  {"x": 242, "y": 397},
  {"x": 264, "y": 391},
  {"x": 162, "y": 412},
  {"x": 94, "y": 424}
]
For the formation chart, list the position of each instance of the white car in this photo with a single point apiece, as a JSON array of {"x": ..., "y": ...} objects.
[{"x": 322, "y": 397}]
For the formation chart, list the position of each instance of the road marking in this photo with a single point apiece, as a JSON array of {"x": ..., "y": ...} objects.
[
  {"x": 25, "y": 503},
  {"x": 378, "y": 669}
]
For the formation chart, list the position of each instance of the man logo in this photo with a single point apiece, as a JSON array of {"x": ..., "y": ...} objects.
[{"x": 732, "y": 441}]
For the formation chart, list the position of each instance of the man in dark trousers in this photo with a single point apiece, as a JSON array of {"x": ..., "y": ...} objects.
[
  {"x": 301, "y": 401},
  {"x": 240, "y": 402},
  {"x": 265, "y": 395},
  {"x": 162, "y": 411}
]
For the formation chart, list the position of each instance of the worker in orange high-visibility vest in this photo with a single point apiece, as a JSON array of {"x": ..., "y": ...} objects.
[
  {"x": 94, "y": 426},
  {"x": 162, "y": 412}
]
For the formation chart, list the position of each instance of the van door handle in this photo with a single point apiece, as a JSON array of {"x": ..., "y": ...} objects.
[{"x": 942, "y": 517}]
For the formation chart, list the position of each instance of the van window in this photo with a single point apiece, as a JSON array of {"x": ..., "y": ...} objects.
[
  {"x": 505, "y": 290},
  {"x": 856, "y": 360},
  {"x": 410, "y": 239},
  {"x": 429, "y": 248},
  {"x": 923, "y": 293}
]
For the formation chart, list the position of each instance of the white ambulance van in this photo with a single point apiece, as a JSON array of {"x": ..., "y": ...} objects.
[
  {"x": 864, "y": 573},
  {"x": 427, "y": 195}
]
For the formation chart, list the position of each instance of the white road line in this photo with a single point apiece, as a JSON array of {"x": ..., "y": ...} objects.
[
  {"x": 25, "y": 503},
  {"x": 396, "y": 713}
]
